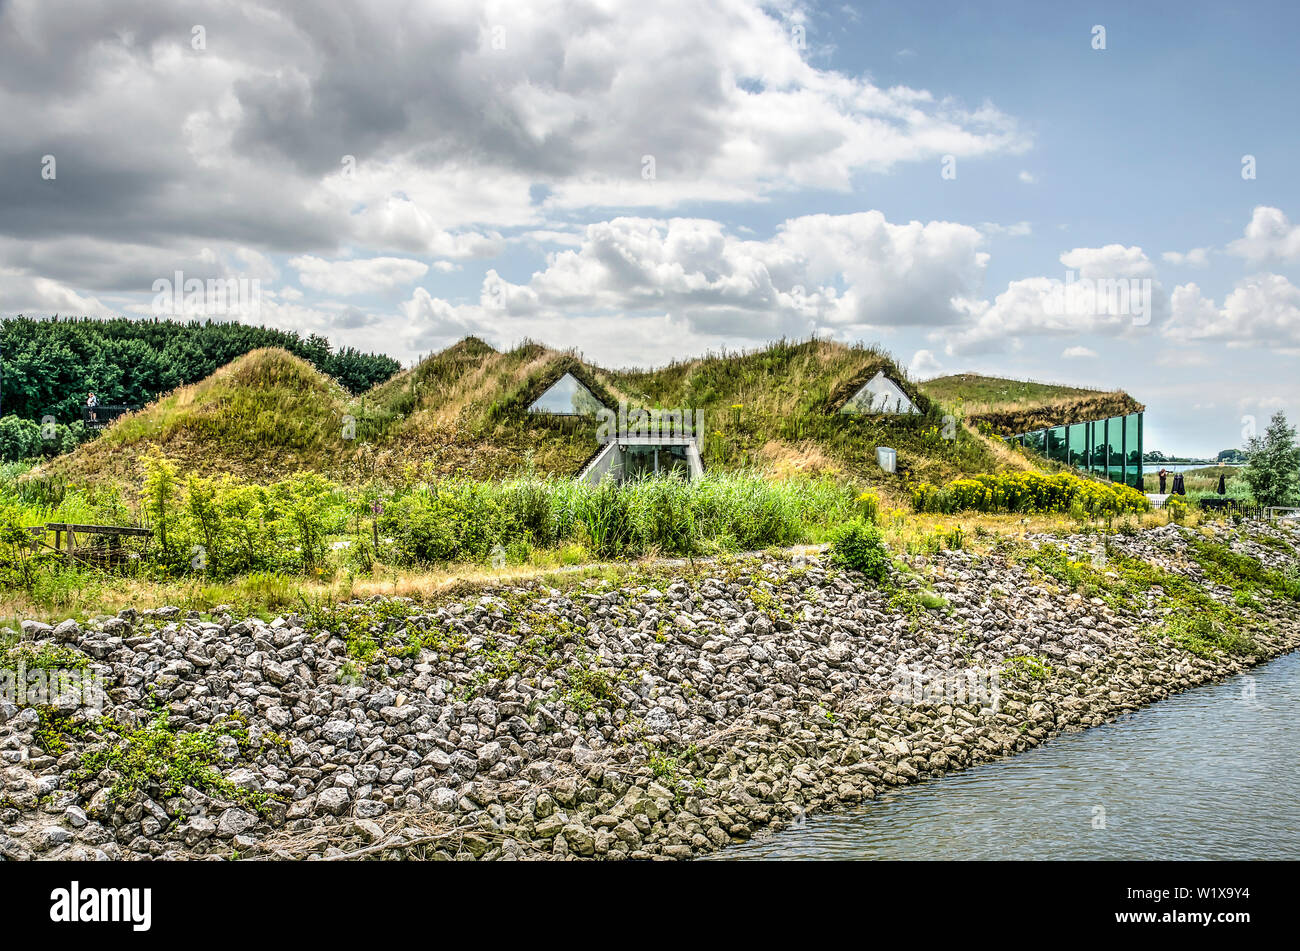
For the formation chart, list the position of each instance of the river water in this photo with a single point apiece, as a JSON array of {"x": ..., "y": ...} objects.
[{"x": 1211, "y": 773}]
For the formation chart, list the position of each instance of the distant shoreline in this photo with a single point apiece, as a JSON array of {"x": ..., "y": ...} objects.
[{"x": 1185, "y": 466}]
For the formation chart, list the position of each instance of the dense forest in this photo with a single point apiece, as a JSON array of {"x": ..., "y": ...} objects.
[{"x": 50, "y": 365}]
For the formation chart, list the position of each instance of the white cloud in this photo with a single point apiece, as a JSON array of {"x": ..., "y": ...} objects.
[
  {"x": 1197, "y": 257},
  {"x": 25, "y": 293},
  {"x": 924, "y": 364},
  {"x": 1078, "y": 353},
  {"x": 1109, "y": 290},
  {"x": 844, "y": 275},
  {"x": 1262, "y": 310},
  {"x": 1111, "y": 261},
  {"x": 1029, "y": 178},
  {"x": 361, "y": 276},
  {"x": 1269, "y": 236},
  {"x": 419, "y": 135},
  {"x": 1020, "y": 229},
  {"x": 845, "y": 272}
]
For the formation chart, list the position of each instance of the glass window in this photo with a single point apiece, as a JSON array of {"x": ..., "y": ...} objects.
[
  {"x": 1078, "y": 443},
  {"x": 566, "y": 397},
  {"x": 1108, "y": 447},
  {"x": 1115, "y": 439},
  {"x": 1133, "y": 447},
  {"x": 1099, "y": 448},
  {"x": 1057, "y": 448},
  {"x": 879, "y": 395}
]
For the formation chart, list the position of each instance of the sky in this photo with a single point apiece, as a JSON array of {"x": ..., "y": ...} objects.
[{"x": 1099, "y": 194}]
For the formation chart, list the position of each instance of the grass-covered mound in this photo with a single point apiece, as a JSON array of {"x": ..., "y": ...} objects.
[
  {"x": 264, "y": 414},
  {"x": 463, "y": 413}
]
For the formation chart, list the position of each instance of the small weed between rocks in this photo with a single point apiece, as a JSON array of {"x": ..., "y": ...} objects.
[
  {"x": 46, "y": 657},
  {"x": 157, "y": 760},
  {"x": 1026, "y": 668}
]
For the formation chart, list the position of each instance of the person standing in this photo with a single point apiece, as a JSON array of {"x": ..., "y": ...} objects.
[
  {"x": 91, "y": 402},
  {"x": 1164, "y": 474}
]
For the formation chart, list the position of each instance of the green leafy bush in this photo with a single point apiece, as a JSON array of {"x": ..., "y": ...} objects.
[{"x": 859, "y": 547}]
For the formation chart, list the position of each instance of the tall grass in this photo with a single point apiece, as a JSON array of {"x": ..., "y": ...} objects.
[
  {"x": 463, "y": 520},
  {"x": 260, "y": 542}
]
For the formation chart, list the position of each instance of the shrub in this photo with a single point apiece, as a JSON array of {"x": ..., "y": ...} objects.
[
  {"x": 1030, "y": 493},
  {"x": 857, "y": 546},
  {"x": 606, "y": 514},
  {"x": 662, "y": 514},
  {"x": 158, "y": 495},
  {"x": 1177, "y": 508}
]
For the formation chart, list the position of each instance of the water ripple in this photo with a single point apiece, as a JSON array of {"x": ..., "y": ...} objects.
[{"x": 1212, "y": 773}]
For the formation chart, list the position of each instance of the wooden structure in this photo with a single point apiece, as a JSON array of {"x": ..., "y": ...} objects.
[{"x": 65, "y": 539}]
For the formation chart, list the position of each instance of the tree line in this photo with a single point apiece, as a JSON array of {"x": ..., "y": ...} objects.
[{"x": 49, "y": 365}]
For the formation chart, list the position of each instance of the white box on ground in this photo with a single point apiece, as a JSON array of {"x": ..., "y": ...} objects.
[{"x": 888, "y": 458}]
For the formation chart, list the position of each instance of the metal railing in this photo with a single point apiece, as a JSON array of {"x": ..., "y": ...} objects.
[{"x": 102, "y": 415}]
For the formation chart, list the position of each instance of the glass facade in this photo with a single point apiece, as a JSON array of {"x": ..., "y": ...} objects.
[
  {"x": 1109, "y": 447},
  {"x": 1057, "y": 446}
]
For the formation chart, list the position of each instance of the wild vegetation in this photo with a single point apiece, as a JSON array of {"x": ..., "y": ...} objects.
[
  {"x": 307, "y": 526},
  {"x": 1192, "y": 616},
  {"x": 26, "y": 439},
  {"x": 269, "y": 479},
  {"x": 1010, "y": 407},
  {"x": 978, "y": 392},
  {"x": 1031, "y": 493}
]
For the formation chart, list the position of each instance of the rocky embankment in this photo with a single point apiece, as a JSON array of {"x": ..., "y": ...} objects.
[{"x": 665, "y": 719}]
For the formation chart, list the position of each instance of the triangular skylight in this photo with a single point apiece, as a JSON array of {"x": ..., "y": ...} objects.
[
  {"x": 566, "y": 397},
  {"x": 880, "y": 394}
]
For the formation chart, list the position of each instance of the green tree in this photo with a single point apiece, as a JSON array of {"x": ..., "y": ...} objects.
[
  {"x": 1273, "y": 472},
  {"x": 158, "y": 495},
  {"x": 19, "y": 439}
]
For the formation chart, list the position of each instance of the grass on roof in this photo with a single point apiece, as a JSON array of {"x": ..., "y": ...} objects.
[
  {"x": 1009, "y": 407},
  {"x": 463, "y": 412}
]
